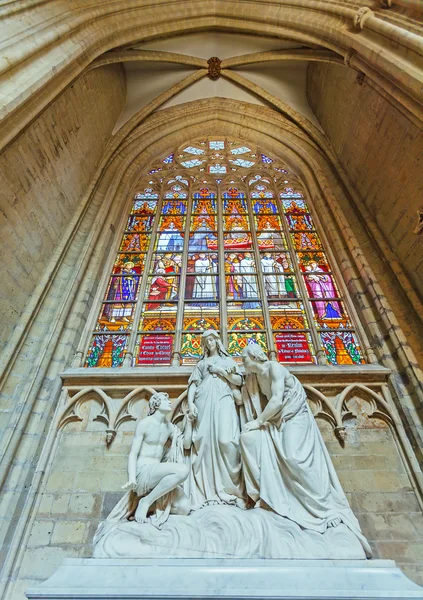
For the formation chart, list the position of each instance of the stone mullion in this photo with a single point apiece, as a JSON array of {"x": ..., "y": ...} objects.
[
  {"x": 221, "y": 271},
  {"x": 176, "y": 356},
  {"x": 259, "y": 275},
  {"x": 128, "y": 360},
  {"x": 321, "y": 358}
]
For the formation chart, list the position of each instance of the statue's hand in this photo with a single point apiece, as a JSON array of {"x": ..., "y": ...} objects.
[
  {"x": 192, "y": 412},
  {"x": 251, "y": 426},
  {"x": 216, "y": 370},
  {"x": 130, "y": 485}
]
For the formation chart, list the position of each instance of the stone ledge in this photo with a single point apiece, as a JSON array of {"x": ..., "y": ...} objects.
[{"x": 99, "y": 579}]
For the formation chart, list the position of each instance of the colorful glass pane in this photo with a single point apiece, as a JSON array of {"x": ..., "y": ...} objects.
[
  {"x": 147, "y": 194},
  {"x": 243, "y": 287},
  {"x": 319, "y": 283},
  {"x": 238, "y": 341},
  {"x": 203, "y": 222},
  {"x": 275, "y": 262},
  {"x": 293, "y": 347},
  {"x": 193, "y": 150},
  {"x": 341, "y": 348},
  {"x": 169, "y": 159},
  {"x": 169, "y": 240},
  {"x": 125, "y": 262},
  {"x": 263, "y": 206},
  {"x": 161, "y": 288},
  {"x": 177, "y": 191},
  {"x": 169, "y": 263},
  {"x": 237, "y": 241},
  {"x": 236, "y": 222},
  {"x": 298, "y": 207},
  {"x": 154, "y": 349},
  {"x": 123, "y": 287},
  {"x": 144, "y": 207},
  {"x": 304, "y": 240},
  {"x": 300, "y": 222},
  {"x": 209, "y": 310},
  {"x": 265, "y": 159},
  {"x": 241, "y": 150},
  {"x": 217, "y": 168},
  {"x": 194, "y": 162},
  {"x": 202, "y": 287},
  {"x": 289, "y": 192},
  {"x": 277, "y": 283},
  {"x": 140, "y": 223},
  {"x": 115, "y": 317},
  {"x": 261, "y": 191},
  {"x": 290, "y": 319},
  {"x": 174, "y": 207},
  {"x": 191, "y": 350},
  {"x": 271, "y": 240},
  {"x": 240, "y": 262},
  {"x": 107, "y": 350},
  {"x": 245, "y": 321},
  {"x": 235, "y": 206},
  {"x": 241, "y": 162},
  {"x": 202, "y": 206},
  {"x": 268, "y": 222},
  {"x": 286, "y": 305},
  {"x": 330, "y": 314},
  {"x": 203, "y": 240},
  {"x": 312, "y": 259},
  {"x": 163, "y": 323},
  {"x": 202, "y": 262},
  {"x": 135, "y": 242},
  {"x": 199, "y": 321}
]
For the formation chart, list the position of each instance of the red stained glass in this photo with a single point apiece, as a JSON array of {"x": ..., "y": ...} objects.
[
  {"x": 163, "y": 323},
  {"x": 154, "y": 350},
  {"x": 305, "y": 240},
  {"x": 291, "y": 319},
  {"x": 237, "y": 241},
  {"x": 134, "y": 262},
  {"x": 293, "y": 347},
  {"x": 107, "y": 350},
  {"x": 309, "y": 258},
  {"x": 140, "y": 223},
  {"x": 341, "y": 348},
  {"x": 204, "y": 207},
  {"x": 268, "y": 222},
  {"x": 135, "y": 242},
  {"x": 191, "y": 350},
  {"x": 238, "y": 341},
  {"x": 203, "y": 222}
]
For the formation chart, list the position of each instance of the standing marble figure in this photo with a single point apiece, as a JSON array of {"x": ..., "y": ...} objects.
[
  {"x": 215, "y": 469},
  {"x": 286, "y": 465}
]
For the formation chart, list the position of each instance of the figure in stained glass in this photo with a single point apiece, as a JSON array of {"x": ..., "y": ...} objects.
[
  {"x": 161, "y": 289},
  {"x": 233, "y": 279},
  {"x": 274, "y": 278},
  {"x": 204, "y": 285},
  {"x": 170, "y": 239},
  {"x": 320, "y": 285},
  {"x": 123, "y": 289},
  {"x": 249, "y": 289}
]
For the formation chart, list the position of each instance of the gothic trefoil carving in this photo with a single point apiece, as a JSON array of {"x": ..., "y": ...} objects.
[{"x": 214, "y": 68}]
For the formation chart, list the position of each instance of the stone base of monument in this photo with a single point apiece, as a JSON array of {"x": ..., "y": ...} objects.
[{"x": 102, "y": 579}]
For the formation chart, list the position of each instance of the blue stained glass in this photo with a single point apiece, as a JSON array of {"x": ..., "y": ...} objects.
[
  {"x": 217, "y": 168},
  {"x": 146, "y": 194},
  {"x": 169, "y": 159},
  {"x": 240, "y": 162},
  {"x": 266, "y": 159},
  {"x": 216, "y": 145},
  {"x": 192, "y": 163},
  {"x": 241, "y": 150},
  {"x": 193, "y": 150}
]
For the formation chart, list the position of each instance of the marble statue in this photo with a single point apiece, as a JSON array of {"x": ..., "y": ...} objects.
[
  {"x": 215, "y": 460},
  {"x": 286, "y": 465},
  {"x": 203, "y": 489},
  {"x": 156, "y": 469}
]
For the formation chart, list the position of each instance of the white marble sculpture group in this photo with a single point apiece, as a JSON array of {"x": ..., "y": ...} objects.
[{"x": 247, "y": 475}]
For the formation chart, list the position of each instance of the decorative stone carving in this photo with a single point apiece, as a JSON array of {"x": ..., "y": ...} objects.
[
  {"x": 214, "y": 68},
  {"x": 360, "y": 77},
  {"x": 386, "y": 3},
  {"x": 347, "y": 58},
  {"x": 361, "y": 17},
  {"x": 419, "y": 227},
  {"x": 295, "y": 505}
]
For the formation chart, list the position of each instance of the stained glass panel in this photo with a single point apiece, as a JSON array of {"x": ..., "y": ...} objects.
[
  {"x": 135, "y": 242},
  {"x": 201, "y": 287},
  {"x": 154, "y": 349},
  {"x": 107, "y": 350},
  {"x": 238, "y": 341},
  {"x": 293, "y": 347},
  {"x": 202, "y": 241},
  {"x": 341, "y": 347},
  {"x": 284, "y": 301}
]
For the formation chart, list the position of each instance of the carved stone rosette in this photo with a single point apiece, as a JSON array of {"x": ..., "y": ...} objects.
[{"x": 215, "y": 68}]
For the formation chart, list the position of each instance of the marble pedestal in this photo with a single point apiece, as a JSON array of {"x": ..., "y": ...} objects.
[{"x": 148, "y": 579}]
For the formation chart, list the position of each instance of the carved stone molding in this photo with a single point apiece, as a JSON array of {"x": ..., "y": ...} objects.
[
  {"x": 419, "y": 227},
  {"x": 349, "y": 55},
  {"x": 361, "y": 17},
  {"x": 215, "y": 68},
  {"x": 386, "y": 3},
  {"x": 360, "y": 77}
]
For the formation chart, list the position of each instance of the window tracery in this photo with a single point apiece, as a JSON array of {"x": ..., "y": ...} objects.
[{"x": 221, "y": 237}]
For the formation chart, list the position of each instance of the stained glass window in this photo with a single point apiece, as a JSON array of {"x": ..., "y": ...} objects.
[{"x": 225, "y": 243}]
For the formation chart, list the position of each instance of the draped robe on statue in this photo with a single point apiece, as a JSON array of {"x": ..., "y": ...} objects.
[
  {"x": 215, "y": 475},
  {"x": 287, "y": 466}
]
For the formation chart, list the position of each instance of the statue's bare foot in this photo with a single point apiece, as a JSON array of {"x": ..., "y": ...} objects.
[
  {"x": 334, "y": 522},
  {"x": 141, "y": 512}
]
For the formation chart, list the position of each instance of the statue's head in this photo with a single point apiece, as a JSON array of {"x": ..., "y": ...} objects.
[
  {"x": 251, "y": 355},
  {"x": 159, "y": 401},
  {"x": 210, "y": 340}
]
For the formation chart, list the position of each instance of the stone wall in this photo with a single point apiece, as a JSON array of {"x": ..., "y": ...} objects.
[
  {"x": 44, "y": 174},
  {"x": 85, "y": 481},
  {"x": 382, "y": 153}
]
